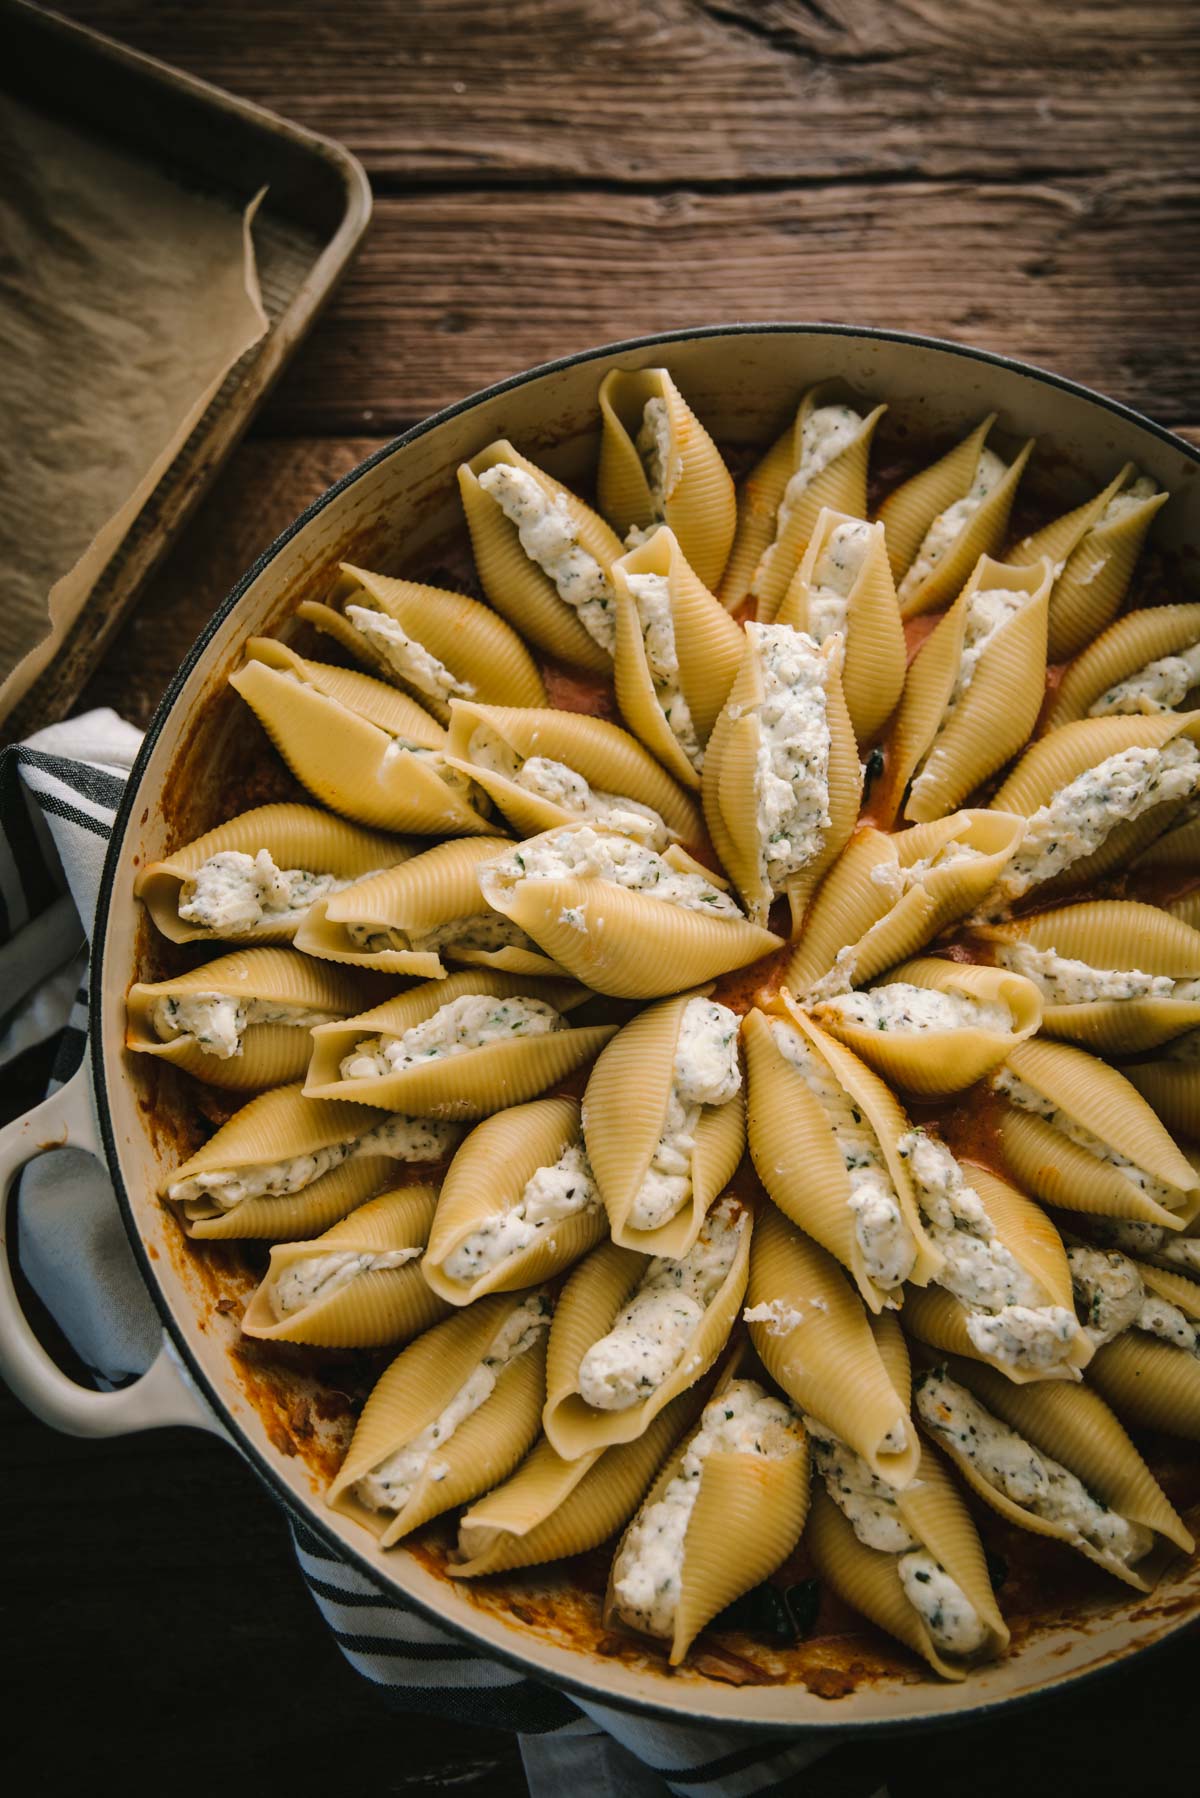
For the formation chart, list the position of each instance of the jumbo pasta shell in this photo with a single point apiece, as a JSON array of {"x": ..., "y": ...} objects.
[
  {"x": 295, "y": 836},
  {"x": 942, "y": 750},
  {"x": 275, "y": 1126},
  {"x": 362, "y": 748},
  {"x": 284, "y": 1217},
  {"x": 608, "y": 758},
  {"x": 707, "y": 646},
  {"x": 625, "y": 1114},
  {"x": 795, "y": 1150},
  {"x": 696, "y": 499},
  {"x": 887, "y": 896},
  {"x": 472, "y": 1083},
  {"x": 1176, "y": 851},
  {"x": 818, "y": 1346},
  {"x": 591, "y": 1301},
  {"x": 1150, "y": 1385},
  {"x": 935, "y": 1062},
  {"x": 910, "y": 509},
  {"x": 1123, "y": 650},
  {"x": 1186, "y": 906},
  {"x": 485, "y": 656},
  {"x": 378, "y": 1306},
  {"x": 270, "y": 1054},
  {"x": 873, "y": 673},
  {"x": 415, "y": 1390},
  {"x": 486, "y": 1179},
  {"x": 1172, "y": 1090},
  {"x": 516, "y": 585},
  {"x": 757, "y": 506}
]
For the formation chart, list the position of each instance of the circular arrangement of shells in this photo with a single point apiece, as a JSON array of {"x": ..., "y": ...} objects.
[{"x": 468, "y": 1144}]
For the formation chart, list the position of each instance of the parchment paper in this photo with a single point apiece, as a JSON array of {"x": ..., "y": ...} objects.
[{"x": 125, "y": 300}]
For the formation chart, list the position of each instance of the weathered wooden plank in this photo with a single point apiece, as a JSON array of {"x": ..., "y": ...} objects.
[
  {"x": 1100, "y": 282},
  {"x": 697, "y": 91}
]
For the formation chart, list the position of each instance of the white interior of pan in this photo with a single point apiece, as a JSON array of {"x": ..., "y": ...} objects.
[{"x": 744, "y": 387}]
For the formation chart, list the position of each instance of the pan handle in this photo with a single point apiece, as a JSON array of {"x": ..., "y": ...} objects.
[{"x": 165, "y": 1393}]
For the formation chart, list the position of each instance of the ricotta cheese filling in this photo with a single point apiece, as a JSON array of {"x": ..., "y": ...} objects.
[
  {"x": 1150, "y": 1242},
  {"x": 1158, "y": 687},
  {"x": 652, "y": 1334},
  {"x": 987, "y": 613},
  {"x": 1081, "y": 816},
  {"x": 1030, "y": 1479},
  {"x": 563, "y": 786},
  {"x": 217, "y": 1022},
  {"x": 1006, "y": 1318},
  {"x": 1063, "y": 981},
  {"x": 480, "y": 932},
  {"x": 825, "y": 433},
  {"x": 791, "y": 775},
  {"x": 869, "y": 1506},
  {"x": 469, "y": 1022},
  {"x": 435, "y": 761},
  {"x": 548, "y": 535},
  {"x": 778, "y": 1316},
  {"x": 405, "y": 656},
  {"x": 1026, "y": 1098},
  {"x": 838, "y": 567},
  {"x": 1111, "y": 1298},
  {"x": 648, "y": 1572},
  {"x": 1127, "y": 501},
  {"x": 888, "y": 1248},
  {"x": 949, "y": 525},
  {"x": 896, "y": 881},
  {"x": 653, "y": 446},
  {"x": 901, "y": 1007},
  {"x": 564, "y": 1189},
  {"x": 705, "y": 1072},
  {"x": 588, "y": 855},
  {"x": 652, "y": 597},
  {"x": 403, "y": 1138},
  {"x": 316, "y": 1277},
  {"x": 233, "y": 891},
  {"x": 390, "y": 1485}
]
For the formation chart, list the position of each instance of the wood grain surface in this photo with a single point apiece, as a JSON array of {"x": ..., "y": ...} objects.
[{"x": 549, "y": 176}]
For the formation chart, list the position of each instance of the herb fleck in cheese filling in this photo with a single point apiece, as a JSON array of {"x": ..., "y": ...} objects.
[
  {"x": 648, "y": 1572},
  {"x": 705, "y": 1072},
  {"x": 223, "y": 1189},
  {"x": 791, "y": 776},
  {"x": 233, "y": 891},
  {"x": 469, "y": 1022},
  {"x": 1111, "y": 1298},
  {"x": 563, "y": 786},
  {"x": 1006, "y": 1320},
  {"x": 650, "y": 1336},
  {"x": 217, "y": 1022},
  {"x": 317, "y": 1277},
  {"x": 869, "y": 1506},
  {"x": 1030, "y": 1479},
  {"x": 652, "y": 597},
  {"x": 390, "y": 1485},
  {"x": 565, "y": 1189},
  {"x": 405, "y": 656},
  {"x": 589, "y": 855},
  {"x": 901, "y": 1007},
  {"x": 1158, "y": 687},
  {"x": 826, "y": 432},
  {"x": 837, "y": 569},
  {"x": 888, "y": 1248},
  {"x": 1063, "y": 981},
  {"x": 949, "y": 525},
  {"x": 548, "y": 536},
  {"x": 1027, "y": 1098}
]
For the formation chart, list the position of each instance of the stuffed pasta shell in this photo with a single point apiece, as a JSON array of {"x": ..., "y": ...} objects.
[
  {"x": 619, "y": 916},
  {"x": 726, "y": 1510},
  {"x": 1094, "y": 551},
  {"x": 782, "y": 780},
  {"x": 1170, "y": 1084},
  {"x": 254, "y": 878},
  {"x": 518, "y": 1205},
  {"x": 973, "y": 692},
  {"x": 1145, "y": 1324},
  {"x": 1077, "y": 1134},
  {"x": 844, "y": 586},
  {"x": 358, "y": 1284},
  {"x": 285, "y": 1167},
  {"x": 436, "y": 645},
  {"x": 241, "y": 1021},
  {"x": 664, "y": 1121},
  {"x": 462, "y": 1047},
  {"x": 543, "y": 557},
  {"x": 676, "y": 657},
  {"x": 658, "y": 465},
  {"x": 1146, "y": 663},
  {"x": 633, "y": 1331},
  {"x": 451, "y": 1417},
  {"x": 934, "y": 1026},
  {"x": 824, "y": 1134},
  {"x": 1052, "y": 1458},
  {"x": 942, "y": 520},
  {"x": 359, "y": 746},
  {"x": 544, "y": 768},
  {"x": 1114, "y": 975},
  {"x": 887, "y": 896},
  {"x": 820, "y": 460}
]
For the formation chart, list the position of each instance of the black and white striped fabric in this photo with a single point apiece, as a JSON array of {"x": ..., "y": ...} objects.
[{"x": 58, "y": 797}]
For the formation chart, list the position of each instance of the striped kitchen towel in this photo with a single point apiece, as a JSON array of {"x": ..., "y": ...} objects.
[{"x": 59, "y": 793}]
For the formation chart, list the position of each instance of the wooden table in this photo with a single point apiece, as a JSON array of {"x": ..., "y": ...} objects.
[{"x": 1014, "y": 173}]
